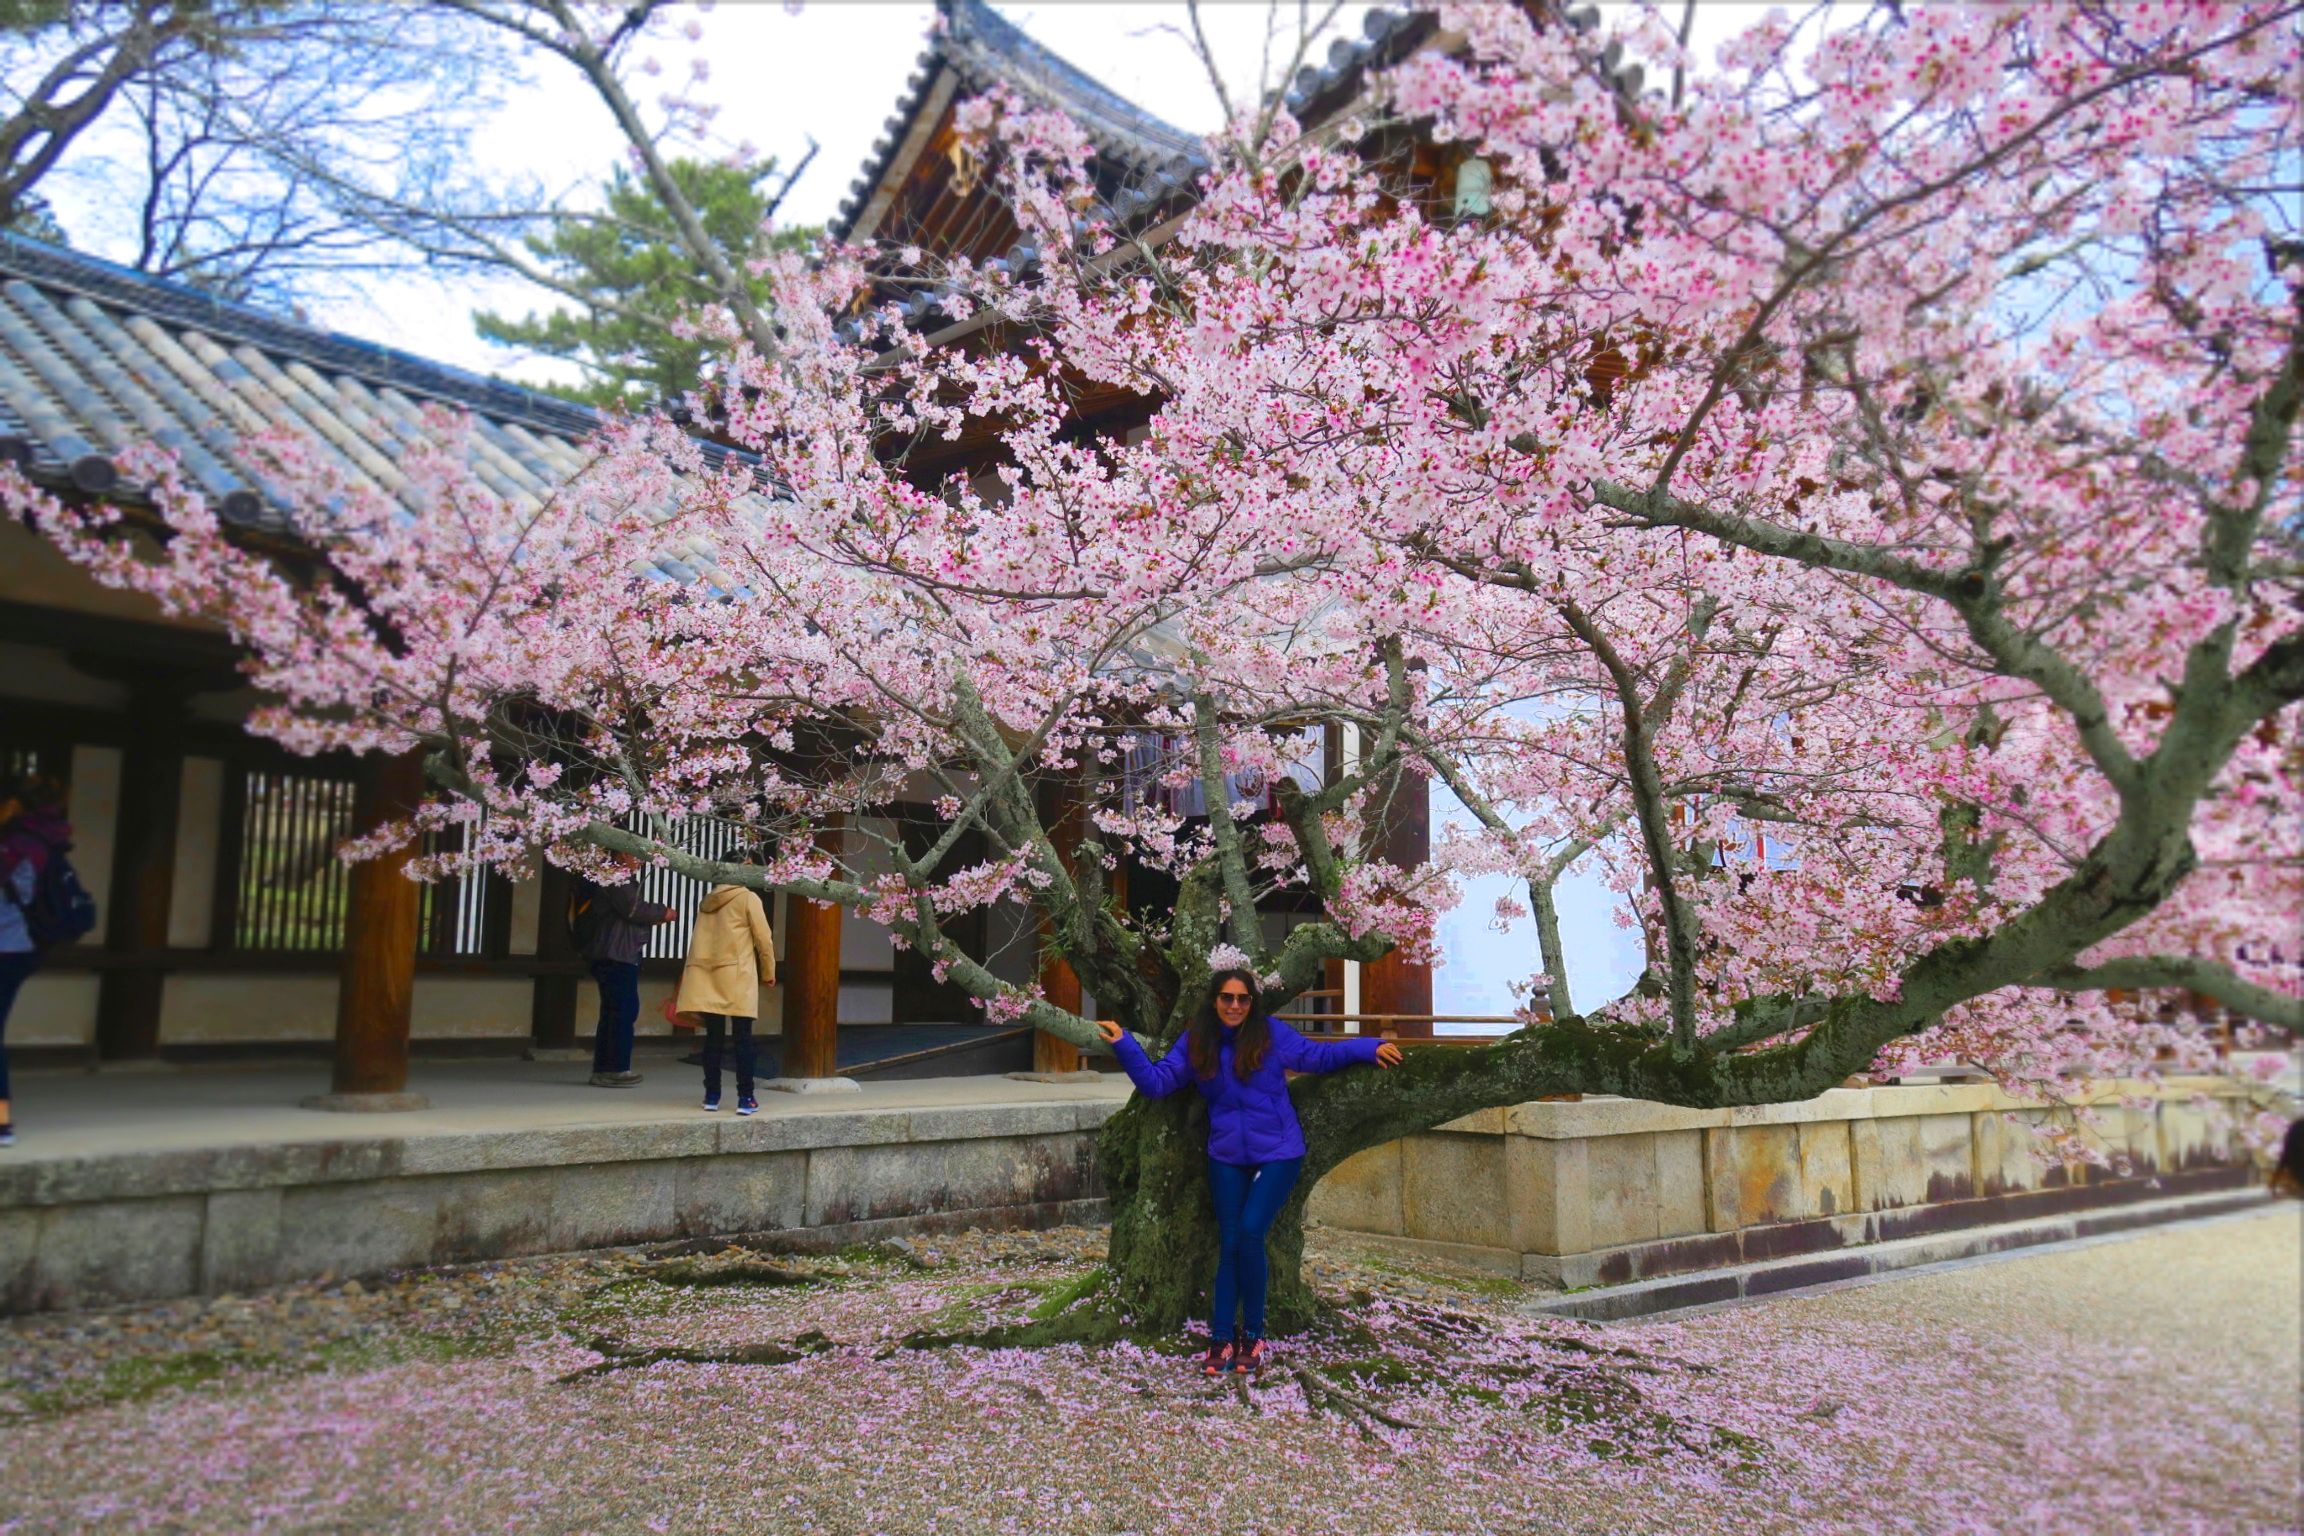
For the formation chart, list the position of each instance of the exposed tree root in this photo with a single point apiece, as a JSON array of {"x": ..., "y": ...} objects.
[
  {"x": 742, "y": 1273},
  {"x": 617, "y": 1356},
  {"x": 1323, "y": 1395}
]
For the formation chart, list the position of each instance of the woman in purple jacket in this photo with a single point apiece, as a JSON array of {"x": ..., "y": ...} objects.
[{"x": 1239, "y": 1059}]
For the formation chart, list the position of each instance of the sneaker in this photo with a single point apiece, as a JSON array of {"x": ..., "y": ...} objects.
[
  {"x": 1219, "y": 1359},
  {"x": 1250, "y": 1360},
  {"x": 7, "y": 1135},
  {"x": 712, "y": 1105},
  {"x": 615, "y": 1079},
  {"x": 747, "y": 1105}
]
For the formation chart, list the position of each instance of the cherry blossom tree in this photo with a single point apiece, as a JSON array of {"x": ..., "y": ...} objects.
[{"x": 1886, "y": 448}]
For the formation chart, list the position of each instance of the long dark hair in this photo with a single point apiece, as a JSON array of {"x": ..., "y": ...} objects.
[{"x": 1206, "y": 1042}]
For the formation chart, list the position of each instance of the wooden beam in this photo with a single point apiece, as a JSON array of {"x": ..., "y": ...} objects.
[
  {"x": 552, "y": 1009},
  {"x": 1067, "y": 818},
  {"x": 811, "y": 978},
  {"x": 128, "y": 996},
  {"x": 378, "y": 975},
  {"x": 1394, "y": 985}
]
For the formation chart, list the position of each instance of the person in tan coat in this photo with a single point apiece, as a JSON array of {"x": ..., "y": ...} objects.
[{"x": 731, "y": 956}]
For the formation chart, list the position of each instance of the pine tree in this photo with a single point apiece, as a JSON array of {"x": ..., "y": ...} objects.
[{"x": 637, "y": 282}]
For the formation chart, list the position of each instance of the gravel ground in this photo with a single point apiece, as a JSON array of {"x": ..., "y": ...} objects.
[{"x": 2148, "y": 1385}]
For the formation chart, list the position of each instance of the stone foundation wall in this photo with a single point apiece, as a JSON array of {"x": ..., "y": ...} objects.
[
  {"x": 1603, "y": 1191},
  {"x": 90, "y": 1231}
]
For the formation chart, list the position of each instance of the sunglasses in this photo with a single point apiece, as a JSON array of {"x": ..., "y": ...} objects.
[{"x": 1234, "y": 997}]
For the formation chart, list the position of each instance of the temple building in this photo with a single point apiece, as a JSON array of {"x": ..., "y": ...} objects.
[{"x": 229, "y": 927}]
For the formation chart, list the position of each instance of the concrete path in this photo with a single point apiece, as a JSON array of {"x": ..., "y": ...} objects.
[{"x": 87, "y": 1114}]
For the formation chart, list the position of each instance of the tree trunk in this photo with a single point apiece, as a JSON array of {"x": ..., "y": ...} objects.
[{"x": 1154, "y": 1154}]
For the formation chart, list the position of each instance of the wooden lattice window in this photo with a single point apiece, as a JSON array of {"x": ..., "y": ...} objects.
[{"x": 290, "y": 890}]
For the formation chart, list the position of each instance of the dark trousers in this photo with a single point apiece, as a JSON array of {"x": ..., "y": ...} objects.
[
  {"x": 13, "y": 969},
  {"x": 619, "y": 1011},
  {"x": 717, "y": 1027},
  {"x": 1248, "y": 1201}
]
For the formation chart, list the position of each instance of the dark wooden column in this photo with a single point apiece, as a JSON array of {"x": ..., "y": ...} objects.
[
  {"x": 552, "y": 1012},
  {"x": 1067, "y": 818},
  {"x": 378, "y": 979},
  {"x": 1392, "y": 984},
  {"x": 143, "y": 877},
  {"x": 811, "y": 977}
]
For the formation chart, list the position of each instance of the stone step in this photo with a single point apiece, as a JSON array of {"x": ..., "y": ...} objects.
[{"x": 1774, "y": 1277}]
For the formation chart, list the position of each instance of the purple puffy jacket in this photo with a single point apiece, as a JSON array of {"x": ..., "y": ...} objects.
[{"x": 1254, "y": 1121}]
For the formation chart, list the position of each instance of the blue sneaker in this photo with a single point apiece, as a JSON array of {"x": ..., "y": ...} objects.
[
  {"x": 747, "y": 1105},
  {"x": 712, "y": 1105}
]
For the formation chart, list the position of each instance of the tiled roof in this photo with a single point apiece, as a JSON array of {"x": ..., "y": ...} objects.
[
  {"x": 982, "y": 49},
  {"x": 95, "y": 358}
]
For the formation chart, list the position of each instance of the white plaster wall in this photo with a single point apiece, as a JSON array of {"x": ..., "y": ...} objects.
[
  {"x": 55, "y": 1008},
  {"x": 95, "y": 813},
  {"x": 39, "y": 672},
  {"x": 467, "y": 1007},
  {"x": 199, "y": 823},
  {"x": 209, "y": 1009},
  {"x": 527, "y": 911},
  {"x": 203, "y": 1009}
]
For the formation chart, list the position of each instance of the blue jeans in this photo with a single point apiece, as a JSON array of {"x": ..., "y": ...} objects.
[
  {"x": 14, "y": 967},
  {"x": 619, "y": 1011},
  {"x": 1248, "y": 1201},
  {"x": 717, "y": 1026}
]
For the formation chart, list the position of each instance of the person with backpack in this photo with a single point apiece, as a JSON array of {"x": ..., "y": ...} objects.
[
  {"x": 731, "y": 956},
  {"x": 42, "y": 903},
  {"x": 610, "y": 925}
]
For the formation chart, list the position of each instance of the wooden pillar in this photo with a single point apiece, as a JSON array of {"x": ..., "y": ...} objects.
[
  {"x": 143, "y": 875},
  {"x": 1393, "y": 984},
  {"x": 378, "y": 979},
  {"x": 552, "y": 1009},
  {"x": 1067, "y": 818},
  {"x": 811, "y": 977}
]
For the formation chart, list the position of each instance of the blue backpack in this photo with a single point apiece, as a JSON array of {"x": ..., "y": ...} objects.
[{"x": 61, "y": 911}]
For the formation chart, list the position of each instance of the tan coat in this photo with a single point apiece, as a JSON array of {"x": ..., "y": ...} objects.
[{"x": 731, "y": 956}]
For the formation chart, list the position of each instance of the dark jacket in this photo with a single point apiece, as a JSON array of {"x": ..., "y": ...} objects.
[
  {"x": 1254, "y": 1121},
  {"x": 624, "y": 923}
]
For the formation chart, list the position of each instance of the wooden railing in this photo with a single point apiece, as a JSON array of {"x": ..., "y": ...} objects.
[{"x": 1387, "y": 1025}]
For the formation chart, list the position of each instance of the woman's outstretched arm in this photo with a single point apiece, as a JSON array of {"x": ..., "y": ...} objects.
[
  {"x": 1153, "y": 1079},
  {"x": 1298, "y": 1054}
]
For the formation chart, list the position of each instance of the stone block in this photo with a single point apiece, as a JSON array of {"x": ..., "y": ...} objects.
[
  {"x": 1827, "y": 1175},
  {"x": 240, "y": 1240},
  {"x": 1913, "y": 1159},
  {"x": 865, "y": 1183},
  {"x": 1624, "y": 1190},
  {"x": 1551, "y": 1184},
  {"x": 1600, "y": 1115},
  {"x": 1481, "y": 1122},
  {"x": 19, "y": 1251},
  {"x": 1452, "y": 1190},
  {"x": 126, "y": 1250},
  {"x": 2196, "y": 1136},
  {"x": 1362, "y": 1193},
  {"x": 558, "y": 1147},
  {"x": 358, "y": 1229},
  {"x": 795, "y": 1132},
  {"x": 1754, "y": 1175},
  {"x": 1679, "y": 1182},
  {"x": 966, "y": 1122},
  {"x": 742, "y": 1192},
  {"x": 488, "y": 1214},
  {"x": 2006, "y": 1154},
  {"x": 607, "y": 1204}
]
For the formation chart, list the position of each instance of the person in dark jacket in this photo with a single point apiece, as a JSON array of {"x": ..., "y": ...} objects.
[
  {"x": 1240, "y": 1059},
  {"x": 617, "y": 939},
  {"x": 32, "y": 831}
]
